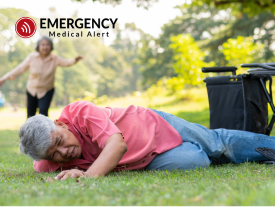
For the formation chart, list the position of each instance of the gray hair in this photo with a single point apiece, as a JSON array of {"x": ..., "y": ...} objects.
[
  {"x": 44, "y": 38},
  {"x": 35, "y": 136}
]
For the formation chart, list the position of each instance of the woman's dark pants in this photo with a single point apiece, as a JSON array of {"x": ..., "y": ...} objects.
[{"x": 43, "y": 103}]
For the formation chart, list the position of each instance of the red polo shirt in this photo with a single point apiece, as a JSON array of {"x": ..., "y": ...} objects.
[{"x": 145, "y": 132}]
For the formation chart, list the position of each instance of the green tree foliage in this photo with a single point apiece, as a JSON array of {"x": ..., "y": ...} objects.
[
  {"x": 252, "y": 7},
  {"x": 210, "y": 26},
  {"x": 242, "y": 50},
  {"x": 127, "y": 47},
  {"x": 112, "y": 73},
  {"x": 140, "y": 3},
  {"x": 156, "y": 55},
  {"x": 73, "y": 81},
  {"x": 259, "y": 27},
  {"x": 188, "y": 61},
  {"x": 148, "y": 61}
]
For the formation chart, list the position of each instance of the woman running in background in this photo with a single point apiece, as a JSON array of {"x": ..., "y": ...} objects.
[{"x": 42, "y": 65}]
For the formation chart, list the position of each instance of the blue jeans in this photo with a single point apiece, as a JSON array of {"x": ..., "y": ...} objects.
[{"x": 201, "y": 145}]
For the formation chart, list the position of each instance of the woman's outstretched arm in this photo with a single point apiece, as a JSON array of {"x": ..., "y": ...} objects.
[
  {"x": 68, "y": 62},
  {"x": 21, "y": 68}
]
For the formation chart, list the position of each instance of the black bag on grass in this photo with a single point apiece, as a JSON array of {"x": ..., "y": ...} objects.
[{"x": 238, "y": 103}]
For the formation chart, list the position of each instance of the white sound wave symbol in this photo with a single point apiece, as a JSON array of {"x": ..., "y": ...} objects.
[{"x": 28, "y": 30}]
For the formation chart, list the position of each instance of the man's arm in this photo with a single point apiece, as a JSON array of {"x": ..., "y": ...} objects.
[{"x": 115, "y": 148}]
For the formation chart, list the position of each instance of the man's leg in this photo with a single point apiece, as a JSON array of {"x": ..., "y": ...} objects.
[
  {"x": 44, "y": 102},
  {"x": 221, "y": 144},
  {"x": 184, "y": 157},
  {"x": 240, "y": 145},
  {"x": 32, "y": 103}
]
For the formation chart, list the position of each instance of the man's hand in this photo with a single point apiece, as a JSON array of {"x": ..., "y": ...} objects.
[
  {"x": 74, "y": 173},
  {"x": 115, "y": 148},
  {"x": 78, "y": 58}
]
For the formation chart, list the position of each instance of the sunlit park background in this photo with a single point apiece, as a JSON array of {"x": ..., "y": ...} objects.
[{"x": 153, "y": 58}]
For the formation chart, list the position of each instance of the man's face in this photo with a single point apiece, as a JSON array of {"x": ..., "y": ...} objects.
[{"x": 65, "y": 146}]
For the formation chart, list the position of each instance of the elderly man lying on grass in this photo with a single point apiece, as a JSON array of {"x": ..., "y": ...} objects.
[{"x": 88, "y": 140}]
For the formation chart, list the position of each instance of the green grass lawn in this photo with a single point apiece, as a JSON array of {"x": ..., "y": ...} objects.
[{"x": 243, "y": 184}]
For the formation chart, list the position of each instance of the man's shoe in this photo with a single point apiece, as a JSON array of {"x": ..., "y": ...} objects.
[{"x": 266, "y": 152}]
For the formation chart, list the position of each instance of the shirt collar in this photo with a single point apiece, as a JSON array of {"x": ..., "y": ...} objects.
[
  {"x": 36, "y": 54},
  {"x": 76, "y": 133},
  {"x": 46, "y": 59}
]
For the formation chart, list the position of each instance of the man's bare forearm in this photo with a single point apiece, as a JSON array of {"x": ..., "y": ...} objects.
[{"x": 114, "y": 149}]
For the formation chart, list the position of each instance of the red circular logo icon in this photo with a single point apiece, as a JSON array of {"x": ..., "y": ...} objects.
[{"x": 25, "y": 27}]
